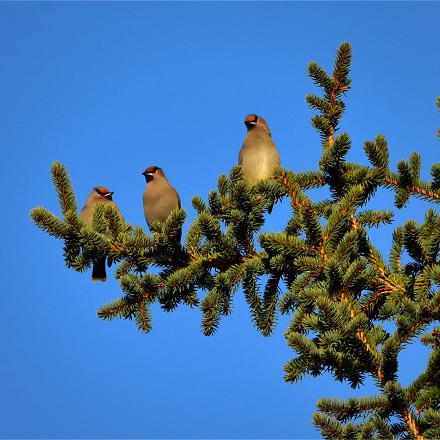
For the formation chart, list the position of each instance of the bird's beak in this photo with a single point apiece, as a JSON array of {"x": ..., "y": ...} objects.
[{"x": 250, "y": 123}]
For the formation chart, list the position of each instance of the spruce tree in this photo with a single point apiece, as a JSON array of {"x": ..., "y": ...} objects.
[{"x": 322, "y": 270}]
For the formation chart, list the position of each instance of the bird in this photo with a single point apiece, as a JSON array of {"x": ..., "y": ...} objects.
[
  {"x": 99, "y": 194},
  {"x": 159, "y": 197},
  {"x": 258, "y": 156}
]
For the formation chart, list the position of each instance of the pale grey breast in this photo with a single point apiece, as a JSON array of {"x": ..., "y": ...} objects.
[{"x": 258, "y": 158}]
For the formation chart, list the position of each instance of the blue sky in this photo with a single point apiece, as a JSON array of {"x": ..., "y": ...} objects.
[{"x": 110, "y": 88}]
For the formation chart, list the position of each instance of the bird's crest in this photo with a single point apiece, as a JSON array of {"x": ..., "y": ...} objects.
[
  {"x": 104, "y": 192},
  {"x": 251, "y": 119},
  {"x": 151, "y": 169}
]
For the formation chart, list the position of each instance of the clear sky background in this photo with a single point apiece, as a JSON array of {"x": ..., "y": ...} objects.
[{"x": 110, "y": 88}]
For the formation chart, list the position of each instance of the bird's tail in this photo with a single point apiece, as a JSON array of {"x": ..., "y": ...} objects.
[
  {"x": 98, "y": 273},
  {"x": 269, "y": 210}
]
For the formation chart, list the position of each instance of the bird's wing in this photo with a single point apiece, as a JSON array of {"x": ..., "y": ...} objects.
[{"x": 86, "y": 215}]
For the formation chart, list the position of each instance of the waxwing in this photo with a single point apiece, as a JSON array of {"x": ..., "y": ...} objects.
[
  {"x": 258, "y": 156},
  {"x": 99, "y": 194},
  {"x": 159, "y": 197}
]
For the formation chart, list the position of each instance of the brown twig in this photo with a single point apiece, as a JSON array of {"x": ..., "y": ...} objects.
[
  {"x": 411, "y": 423},
  {"x": 362, "y": 338},
  {"x": 414, "y": 189},
  {"x": 308, "y": 182},
  {"x": 331, "y": 135},
  {"x": 291, "y": 191}
]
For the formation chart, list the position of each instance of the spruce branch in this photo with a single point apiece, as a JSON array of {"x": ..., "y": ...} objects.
[
  {"x": 339, "y": 289},
  {"x": 120, "y": 308},
  {"x": 49, "y": 222},
  {"x": 63, "y": 187},
  {"x": 422, "y": 190}
]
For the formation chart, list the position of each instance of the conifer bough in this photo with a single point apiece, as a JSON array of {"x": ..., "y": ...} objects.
[{"x": 337, "y": 287}]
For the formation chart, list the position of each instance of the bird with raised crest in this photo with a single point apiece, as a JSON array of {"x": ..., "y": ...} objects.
[
  {"x": 99, "y": 194},
  {"x": 159, "y": 197},
  {"x": 258, "y": 156}
]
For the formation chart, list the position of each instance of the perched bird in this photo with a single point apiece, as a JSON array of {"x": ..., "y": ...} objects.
[
  {"x": 99, "y": 194},
  {"x": 258, "y": 156},
  {"x": 159, "y": 197}
]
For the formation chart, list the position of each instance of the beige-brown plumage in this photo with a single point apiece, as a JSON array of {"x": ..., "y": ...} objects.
[
  {"x": 99, "y": 194},
  {"x": 258, "y": 156},
  {"x": 159, "y": 197}
]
